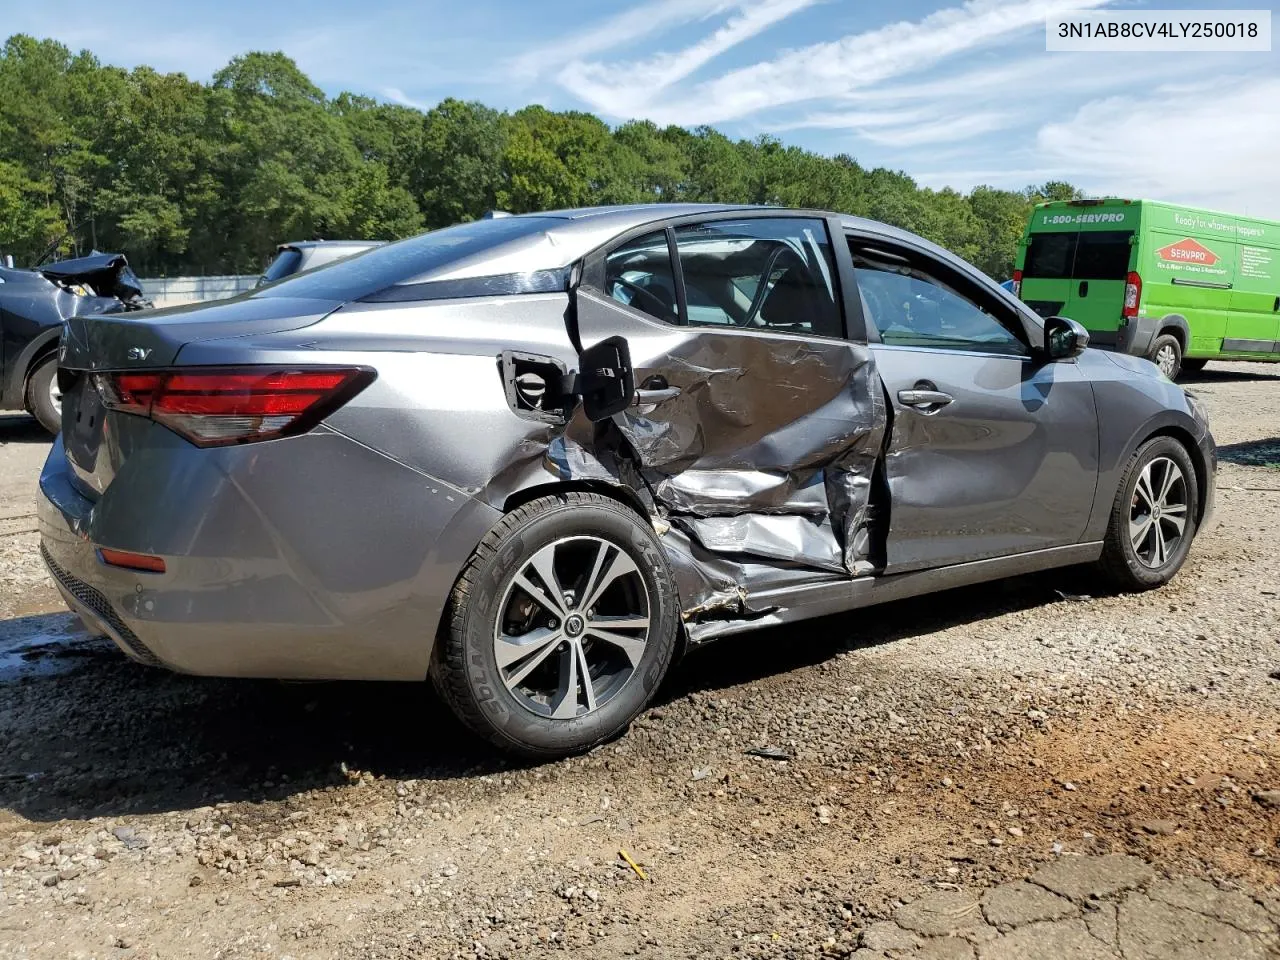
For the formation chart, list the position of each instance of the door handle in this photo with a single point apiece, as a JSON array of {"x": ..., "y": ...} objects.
[
  {"x": 1275, "y": 307},
  {"x": 935, "y": 399},
  {"x": 654, "y": 396},
  {"x": 654, "y": 390},
  {"x": 1084, "y": 288}
]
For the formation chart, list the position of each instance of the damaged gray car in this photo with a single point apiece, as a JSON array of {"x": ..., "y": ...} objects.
[{"x": 533, "y": 457}]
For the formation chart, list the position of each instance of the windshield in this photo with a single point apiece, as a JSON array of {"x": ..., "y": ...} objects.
[{"x": 405, "y": 260}]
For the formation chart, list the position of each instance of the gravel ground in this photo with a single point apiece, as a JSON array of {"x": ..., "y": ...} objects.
[{"x": 951, "y": 778}]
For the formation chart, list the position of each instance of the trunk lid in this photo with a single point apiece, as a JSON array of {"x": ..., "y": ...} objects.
[
  {"x": 99, "y": 441},
  {"x": 152, "y": 338}
]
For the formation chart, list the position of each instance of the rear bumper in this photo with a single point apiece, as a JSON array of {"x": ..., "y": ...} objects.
[{"x": 307, "y": 558}]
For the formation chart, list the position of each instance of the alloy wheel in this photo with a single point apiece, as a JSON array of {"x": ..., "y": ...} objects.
[
  {"x": 1167, "y": 360},
  {"x": 572, "y": 627},
  {"x": 55, "y": 393},
  {"x": 1158, "y": 512}
]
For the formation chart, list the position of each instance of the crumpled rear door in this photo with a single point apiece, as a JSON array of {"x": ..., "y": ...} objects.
[{"x": 757, "y": 442}]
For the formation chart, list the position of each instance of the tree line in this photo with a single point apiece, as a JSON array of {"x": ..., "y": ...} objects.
[{"x": 193, "y": 178}]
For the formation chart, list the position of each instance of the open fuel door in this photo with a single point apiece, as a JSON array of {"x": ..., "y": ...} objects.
[{"x": 754, "y": 422}]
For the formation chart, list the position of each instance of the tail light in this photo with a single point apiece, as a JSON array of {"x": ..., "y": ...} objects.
[
  {"x": 215, "y": 406},
  {"x": 1017, "y": 284},
  {"x": 1132, "y": 295}
]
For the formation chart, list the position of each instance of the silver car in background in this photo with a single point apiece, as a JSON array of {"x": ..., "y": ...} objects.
[
  {"x": 299, "y": 255},
  {"x": 532, "y": 457}
]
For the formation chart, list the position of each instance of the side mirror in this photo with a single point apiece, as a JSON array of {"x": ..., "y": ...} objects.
[
  {"x": 1064, "y": 339},
  {"x": 606, "y": 381}
]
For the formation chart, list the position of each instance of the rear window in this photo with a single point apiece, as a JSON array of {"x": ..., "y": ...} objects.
[
  {"x": 1102, "y": 255},
  {"x": 405, "y": 260},
  {"x": 1086, "y": 255}
]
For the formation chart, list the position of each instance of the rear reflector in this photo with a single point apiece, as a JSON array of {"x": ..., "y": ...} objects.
[
  {"x": 131, "y": 561},
  {"x": 213, "y": 406}
]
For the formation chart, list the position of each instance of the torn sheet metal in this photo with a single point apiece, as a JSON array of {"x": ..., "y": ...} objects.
[{"x": 769, "y": 449}]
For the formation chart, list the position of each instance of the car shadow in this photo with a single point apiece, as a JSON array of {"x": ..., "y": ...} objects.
[
  {"x": 108, "y": 737},
  {"x": 1254, "y": 453},
  {"x": 21, "y": 428},
  {"x": 1228, "y": 375}
]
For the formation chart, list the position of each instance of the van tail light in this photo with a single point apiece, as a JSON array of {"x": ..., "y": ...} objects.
[
  {"x": 216, "y": 406},
  {"x": 1017, "y": 284},
  {"x": 1132, "y": 295}
]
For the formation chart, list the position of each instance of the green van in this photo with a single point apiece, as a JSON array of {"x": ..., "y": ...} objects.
[{"x": 1176, "y": 285}]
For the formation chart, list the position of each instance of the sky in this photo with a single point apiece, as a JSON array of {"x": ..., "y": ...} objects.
[{"x": 953, "y": 93}]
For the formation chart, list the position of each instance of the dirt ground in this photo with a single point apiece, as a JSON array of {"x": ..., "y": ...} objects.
[{"x": 946, "y": 748}]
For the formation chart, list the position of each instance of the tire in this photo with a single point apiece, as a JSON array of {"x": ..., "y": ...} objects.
[
  {"x": 523, "y": 706},
  {"x": 41, "y": 402},
  {"x": 1130, "y": 562},
  {"x": 1193, "y": 364},
  {"x": 1166, "y": 353}
]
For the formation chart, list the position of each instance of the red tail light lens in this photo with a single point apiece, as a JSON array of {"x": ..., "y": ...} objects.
[
  {"x": 213, "y": 406},
  {"x": 131, "y": 561},
  {"x": 1017, "y": 283},
  {"x": 1132, "y": 295}
]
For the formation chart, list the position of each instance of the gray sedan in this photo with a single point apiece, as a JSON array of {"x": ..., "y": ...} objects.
[{"x": 535, "y": 457}]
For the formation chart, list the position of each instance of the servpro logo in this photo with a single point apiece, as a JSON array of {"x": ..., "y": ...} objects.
[{"x": 1188, "y": 251}]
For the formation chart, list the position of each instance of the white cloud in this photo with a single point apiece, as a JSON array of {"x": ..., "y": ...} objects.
[
  {"x": 945, "y": 130},
  {"x": 1212, "y": 144},
  {"x": 628, "y": 27},
  {"x": 396, "y": 95},
  {"x": 838, "y": 68},
  {"x": 622, "y": 89}
]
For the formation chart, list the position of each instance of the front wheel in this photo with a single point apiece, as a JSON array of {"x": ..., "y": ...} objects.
[
  {"x": 1153, "y": 519},
  {"x": 561, "y": 626},
  {"x": 44, "y": 398},
  {"x": 1166, "y": 353}
]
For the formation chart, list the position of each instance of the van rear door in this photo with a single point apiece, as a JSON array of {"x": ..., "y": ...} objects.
[{"x": 1081, "y": 275}]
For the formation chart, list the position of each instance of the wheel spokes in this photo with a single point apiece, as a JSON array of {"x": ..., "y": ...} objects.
[
  {"x": 1138, "y": 530},
  {"x": 565, "y": 706},
  {"x": 1143, "y": 488},
  {"x": 536, "y": 654},
  {"x": 605, "y": 573},
  {"x": 633, "y": 647},
  {"x": 1171, "y": 475}
]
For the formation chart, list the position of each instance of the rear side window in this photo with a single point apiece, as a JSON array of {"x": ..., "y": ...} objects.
[
  {"x": 761, "y": 273},
  {"x": 406, "y": 260},
  {"x": 639, "y": 274},
  {"x": 1083, "y": 255}
]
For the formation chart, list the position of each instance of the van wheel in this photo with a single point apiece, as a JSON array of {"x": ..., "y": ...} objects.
[
  {"x": 1193, "y": 365},
  {"x": 1166, "y": 353},
  {"x": 561, "y": 626},
  {"x": 44, "y": 399},
  {"x": 1153, "y": 519}
]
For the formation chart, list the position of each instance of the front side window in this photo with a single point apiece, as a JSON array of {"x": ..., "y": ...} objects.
[
  {"x": 911, "y": 307},
  {"x": 639, "y": 274},
  {"x": 760, "y": 274}
]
